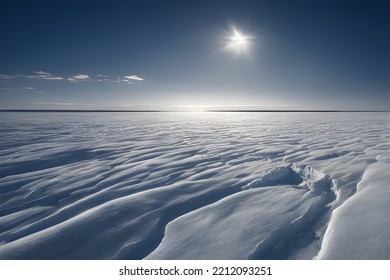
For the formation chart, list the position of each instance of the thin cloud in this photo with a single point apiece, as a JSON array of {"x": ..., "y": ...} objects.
[
  {"x": 5, "y": 77},
  {"x": 53, "y": 78},
  {"x": 81, "y": 77},
  {"x": 28, "y": 88},
  {"x": 134, "y": 77},
  {"x": 43, "y": 76},
  {"x": 41, "y": 73}
]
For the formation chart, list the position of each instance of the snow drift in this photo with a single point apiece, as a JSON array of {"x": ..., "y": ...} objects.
[
  {"x": 249, "y": 224},
  {"x": 360, "y": 227}
]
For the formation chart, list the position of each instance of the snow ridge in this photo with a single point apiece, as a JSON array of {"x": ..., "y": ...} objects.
[{"x": 359, "y": 228}]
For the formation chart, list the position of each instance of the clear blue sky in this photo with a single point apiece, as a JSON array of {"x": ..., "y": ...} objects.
[{"x": 178, "y": 54}]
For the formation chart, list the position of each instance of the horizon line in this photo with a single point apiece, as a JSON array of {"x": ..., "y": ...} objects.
[{"x": 181, "y": 111}]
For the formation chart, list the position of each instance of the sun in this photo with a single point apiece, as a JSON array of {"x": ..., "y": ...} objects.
[
  {"x": 238, "y": 42},
  {"x": 239, "y": 39}
]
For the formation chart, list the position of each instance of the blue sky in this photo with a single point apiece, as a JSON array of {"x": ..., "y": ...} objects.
[{"x": 184, "y": 54}]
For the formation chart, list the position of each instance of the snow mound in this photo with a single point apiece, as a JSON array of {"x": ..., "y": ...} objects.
[
  {"x": 359, "y": 229},
  {"x": 294, "y": 175},
  {"x": 280, "y": 175},
  {"x": 249, "y": 224}
]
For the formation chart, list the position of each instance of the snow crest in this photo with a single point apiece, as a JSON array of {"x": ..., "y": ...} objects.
[{"x": 359, "y": 229}]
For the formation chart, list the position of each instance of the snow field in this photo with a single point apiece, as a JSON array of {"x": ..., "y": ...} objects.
[{"x": 193, "y": 185}]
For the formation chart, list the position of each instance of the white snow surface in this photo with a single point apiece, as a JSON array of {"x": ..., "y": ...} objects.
[
  {"x": 254, "y": 223},
  {"x": 360, "y": 228},
  {"x": 194, "y": 185}
]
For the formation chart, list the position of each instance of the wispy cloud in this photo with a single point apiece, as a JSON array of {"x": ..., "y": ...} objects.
[
  {"x": 81, "y": 77},
  {"x": 6, "y": 77},
  {"x": 53, "y": 78},
  {"x": 28, "y": 88},
  {"x": 42, "y": 75},
  {"x": 134, "y": 77}
]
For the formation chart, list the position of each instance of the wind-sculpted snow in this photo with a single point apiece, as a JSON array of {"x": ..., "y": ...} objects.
[
  {"x": 360, "y": 228},
  {"x": 185, "y": 185},
  {"x": 266, "y": 220}
]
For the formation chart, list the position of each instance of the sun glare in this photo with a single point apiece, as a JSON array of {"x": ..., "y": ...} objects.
[
  {"x": 238, "y": 42},
  {"x": 238, "y": 38}
]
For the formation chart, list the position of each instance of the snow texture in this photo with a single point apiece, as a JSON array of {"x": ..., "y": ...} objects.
[
  {"x": 194, "y": 185},
  {"x": 360, "y": 228}
]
